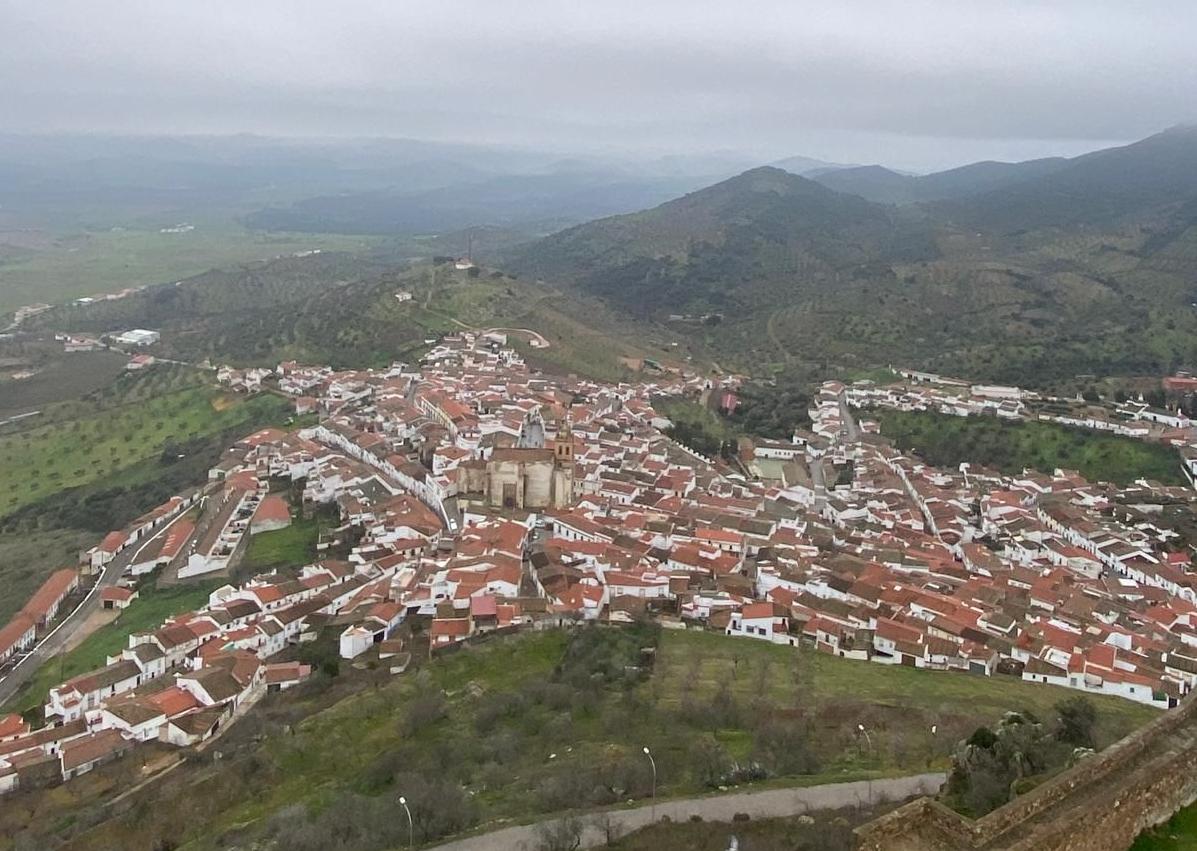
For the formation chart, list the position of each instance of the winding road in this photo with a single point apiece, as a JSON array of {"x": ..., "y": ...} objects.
[{"x": 770, "y": 803}]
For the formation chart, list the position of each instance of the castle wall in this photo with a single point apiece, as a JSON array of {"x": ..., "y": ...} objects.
[{"x": 1101, "y": 804}]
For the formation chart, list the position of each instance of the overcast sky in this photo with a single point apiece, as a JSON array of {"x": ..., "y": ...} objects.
[{"x": 911, "y": 84}]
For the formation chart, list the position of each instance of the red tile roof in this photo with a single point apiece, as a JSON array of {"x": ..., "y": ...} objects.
[
  {"x": 176, "y": 537},
  {"x": 112, "y": 542},
  {"x": 14, "y": 631},
  {"x": 51, "y": 593},
  {"x": 273, "y": 509}
]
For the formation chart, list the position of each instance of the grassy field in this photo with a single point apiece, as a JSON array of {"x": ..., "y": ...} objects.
[
  {"x": 694, "y": 424},
  {"x": 152, "y": 606},
  {"x": 946, "y": 440},
  {"x": 1179, "y": 833},
  {"x": 293, "y": 546},
  {"x": 542, "y": 722},
  {"x": 584, "y": 337},
  {"x": 897, "y": 705},
  {"x": 90, "y": 262},
  {"x": 82, "y": 442}
]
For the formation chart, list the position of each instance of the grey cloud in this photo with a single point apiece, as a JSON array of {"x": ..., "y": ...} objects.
[{"x": 922, "y": 83}]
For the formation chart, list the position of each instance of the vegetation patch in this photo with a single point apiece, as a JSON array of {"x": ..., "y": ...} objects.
[
  {"x": 946, "y": 441},
  {"x": 1178, "y": 833},
  {"x": 695, "y": 425},
  {"x": 88, "y": 262},
  {"x": 79, "y": 443},
  {"x": 522, "y": 727},
  {"x": 26, "y": 559},
  {"x": 292, "y": 546}
]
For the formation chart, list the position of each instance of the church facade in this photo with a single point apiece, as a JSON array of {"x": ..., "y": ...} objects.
[{"x": 527, "y": 476}]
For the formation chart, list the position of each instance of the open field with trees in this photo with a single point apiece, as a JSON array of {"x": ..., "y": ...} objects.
[
  {"x": 75, "y": 263},
  {"x": 945, "y": 440},
  {"x": 86, "y": 466},
  {"x": 290, "y": 548},
  {"x": 694, "y": 425},
  {"x": 78, "y": 443},
  {"x": 152, "y": 606},
  {"x": 542, "y": 722},
  {"x": 340, "y": 308}
]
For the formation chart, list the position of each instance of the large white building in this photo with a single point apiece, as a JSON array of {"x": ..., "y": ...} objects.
[{"x": 137, "y": 337}]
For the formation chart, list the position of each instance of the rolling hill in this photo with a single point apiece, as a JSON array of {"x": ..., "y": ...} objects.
[
  {"x": 1068, "y": 267},
  {"x": 1106, "y": 188},
  {"x": 880, "y": 184},
  {"x": 724, "y": 247}
]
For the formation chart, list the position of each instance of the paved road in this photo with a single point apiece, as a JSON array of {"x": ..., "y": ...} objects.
[
  {"x": 849, "y": 421},
  {"x": 49, "y": 647},
  {"x": 767, "y": 804}
]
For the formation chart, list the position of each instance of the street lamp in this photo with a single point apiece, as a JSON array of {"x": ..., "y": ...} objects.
[
  {"x": 410, "y": 828},
  {"x": 861, "y": 728},
  {"x": 653, "y": 763}
]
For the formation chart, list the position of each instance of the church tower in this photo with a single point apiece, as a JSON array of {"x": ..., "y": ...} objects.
[
  {"x": 563, "y": 467},
  {"x": 564, "y": 444}
]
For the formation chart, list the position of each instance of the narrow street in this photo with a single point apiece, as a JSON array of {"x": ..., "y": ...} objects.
[{"x": 850, "y": 426}]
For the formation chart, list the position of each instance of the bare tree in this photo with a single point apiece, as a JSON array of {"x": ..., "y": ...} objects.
[
  {"x": 609, "y": 826},
  {"x": 563, "y": 834}
]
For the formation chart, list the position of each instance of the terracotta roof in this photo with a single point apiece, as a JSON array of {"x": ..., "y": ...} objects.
[
  {"x": 755, "y": 611},
  {"x": 93, "y": 747},
  {"x": 112, "y": 542},
  {"x": 14, "y": 631},
  {"x": 176, "y": 537},
  {"x": 51, "y": 593},
  {"x": 174, "y": 701},
  {"x": 12, "y": 725},
  {"x": 273, "y": 509}
]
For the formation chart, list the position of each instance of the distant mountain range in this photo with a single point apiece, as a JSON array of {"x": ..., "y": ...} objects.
[
  {"x": 1054, "y": 191},
  {"x": 1034, "y": 271}
]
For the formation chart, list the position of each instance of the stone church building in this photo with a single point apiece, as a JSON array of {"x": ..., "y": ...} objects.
[{"x": 529, "y": 476}]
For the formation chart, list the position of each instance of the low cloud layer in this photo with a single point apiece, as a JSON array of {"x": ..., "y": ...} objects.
[{"x": 913, "y": 84}]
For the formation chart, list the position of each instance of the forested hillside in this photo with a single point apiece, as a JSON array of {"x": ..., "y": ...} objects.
[{"x": 1076, "y": 267}]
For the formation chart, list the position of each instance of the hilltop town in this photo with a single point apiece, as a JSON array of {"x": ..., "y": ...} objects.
[{"x": 473, "y": 495}]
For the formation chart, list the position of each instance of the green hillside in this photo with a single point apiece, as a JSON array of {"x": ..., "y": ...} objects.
[
  {"x": 1083, "y": 268},
  {"x": 538, "y": 723},
  {"x": 341, "y": 309}
]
